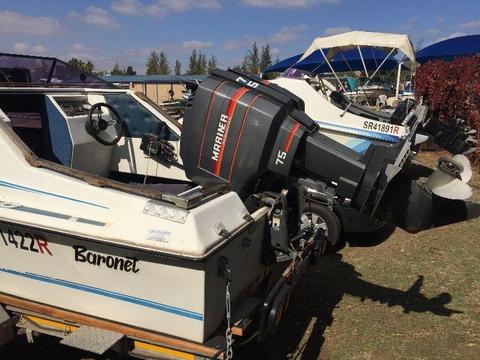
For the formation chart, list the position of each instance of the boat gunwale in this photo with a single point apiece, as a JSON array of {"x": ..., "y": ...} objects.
[
  {"x": 100, "y": 181},
  {"x": 148, "y": 251}
]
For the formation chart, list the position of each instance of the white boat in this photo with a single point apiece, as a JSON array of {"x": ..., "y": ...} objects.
[
  {"x": 87, "y": 224},
  {"x": 352, "y": 124}
]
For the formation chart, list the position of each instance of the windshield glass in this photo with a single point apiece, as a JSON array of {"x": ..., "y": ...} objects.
[
  {"x": 139, "y": 119},
  {"x": 23, "y": 70}
]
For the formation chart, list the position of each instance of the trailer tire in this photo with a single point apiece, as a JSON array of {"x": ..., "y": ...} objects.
[{"x": 328, "y": 220}]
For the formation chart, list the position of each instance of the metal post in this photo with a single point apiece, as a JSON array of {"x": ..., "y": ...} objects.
[
  {"x": 333, "y": 71},
  {"x": 363, "y": 62},
  {"x": 370, "y": 78},
  {"x": 398, "y": 78},
  {"x": 346, "y": 62}
]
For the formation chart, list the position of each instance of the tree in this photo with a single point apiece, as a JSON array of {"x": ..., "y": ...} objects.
[
  {"x": 201, "y": 64},
  {"x": 253, "y": 62},
  {"x": 79, "y": 64},
  {"x": 157, "y": 64},
  {"x": 192, "y": 66},
  {"x": 245, "y": 64},
  {"x": 89, "y": 67},
  {"x": 163, "y": 65},
  {"x": 153, "y": 62},
  {"x": 253, "y": 59},
  {"x": 265, "y": 58},
  {"x": 117, "y": 70},
  {"x": 178, "y": 67},
  {"x": 212, "y": 64},
  {"x": 76, "y": 63},
  {"x": 198, "y": 63},
  {"x": 130, "y": 71},
  {"x": 451, "y": 90}
]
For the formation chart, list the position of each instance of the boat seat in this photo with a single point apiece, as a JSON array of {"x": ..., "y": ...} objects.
[
  {"x": 40, "y": 125},
  {"x": 339, "y": 99},
  {"x": 28, "y": 127},
  {"x": 401, "y": 111}
]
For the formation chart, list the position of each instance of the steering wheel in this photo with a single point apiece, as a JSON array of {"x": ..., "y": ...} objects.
[{"x": 96, "y": 127}]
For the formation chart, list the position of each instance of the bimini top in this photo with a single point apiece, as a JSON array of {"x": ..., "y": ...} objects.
[
  {"x": 25, "y": 70},
  {"x": 346, "y": 41},
  {"x": 344, "y": 61},
  {"x": 449, "y": 49}
]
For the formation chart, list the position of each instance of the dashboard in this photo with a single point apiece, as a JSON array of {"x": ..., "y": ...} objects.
[{"x": 73, "y": 107}]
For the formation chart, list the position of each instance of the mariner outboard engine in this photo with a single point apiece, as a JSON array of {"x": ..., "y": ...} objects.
[
  {"x": 239, "y": 129},
  {"x": 254, "y": 136}
]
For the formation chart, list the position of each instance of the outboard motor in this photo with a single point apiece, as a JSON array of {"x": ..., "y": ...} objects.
[
  {"x": 239, "y": 129},
  {"x": 254, "y": 136}
]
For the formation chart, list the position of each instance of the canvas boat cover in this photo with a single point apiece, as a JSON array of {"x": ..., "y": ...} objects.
[{"x": 349, "y": 40}]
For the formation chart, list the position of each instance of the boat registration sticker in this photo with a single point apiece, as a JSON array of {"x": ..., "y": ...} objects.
[
  {"x": 25, "y": 241},
  {"x": 158, "y": 235},
  {"x": 381, "y": 127}
]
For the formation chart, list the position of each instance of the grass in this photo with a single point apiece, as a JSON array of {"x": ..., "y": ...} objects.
[{"x": 409, "y": 297}]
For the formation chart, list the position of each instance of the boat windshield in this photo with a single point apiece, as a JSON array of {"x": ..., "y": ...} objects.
[
  {"x": 23, "y": 70},
  {"x": 294, "y": 73}
]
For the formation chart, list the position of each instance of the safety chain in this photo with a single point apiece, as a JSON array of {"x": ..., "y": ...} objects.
[
  {"x": 148, "y": 162},
  {"x": 228, "y": 308}
]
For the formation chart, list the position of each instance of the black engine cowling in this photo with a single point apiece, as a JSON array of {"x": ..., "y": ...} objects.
[{"x": 238, "y": 129}]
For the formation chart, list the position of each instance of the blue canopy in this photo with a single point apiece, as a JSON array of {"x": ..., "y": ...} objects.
[
  {"x": 316, "y": 63},
  {"x": 450, "y": 49}
]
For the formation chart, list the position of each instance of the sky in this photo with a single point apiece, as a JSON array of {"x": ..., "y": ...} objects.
[{"x": 126, "y": 31}]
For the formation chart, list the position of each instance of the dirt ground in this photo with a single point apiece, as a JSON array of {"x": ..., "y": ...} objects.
[{"x": 390, "y": 296}]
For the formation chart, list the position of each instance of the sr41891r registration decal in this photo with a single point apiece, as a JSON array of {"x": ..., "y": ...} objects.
[{"x": 381, "y": 127}]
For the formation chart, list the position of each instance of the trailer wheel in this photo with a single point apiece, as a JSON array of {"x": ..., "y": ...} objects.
[{"x": 323, "y": 218}]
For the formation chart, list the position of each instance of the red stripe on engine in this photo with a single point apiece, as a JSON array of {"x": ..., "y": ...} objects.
[
  {"x": 207, "y": 118},
  {"x": 288, "y": 143},
  {"x": 230, "y": 111},
  {"x": 234, "y": 159}
]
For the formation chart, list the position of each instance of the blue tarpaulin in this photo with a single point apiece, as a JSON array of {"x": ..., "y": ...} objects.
[
  {"x": 316, "y": 63},
  {"x": 450, "y": 49}
]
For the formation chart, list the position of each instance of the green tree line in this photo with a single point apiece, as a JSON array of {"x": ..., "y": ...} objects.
[
  {"x": 255, "y": 61},
  {"x": 157, "y": 64}
]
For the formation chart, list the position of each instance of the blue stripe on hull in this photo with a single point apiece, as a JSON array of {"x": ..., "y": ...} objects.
[
  {"x": 109, "y": 294},
  {"x": 358, "y": 145},
  {"x": 35, "y": 191}
]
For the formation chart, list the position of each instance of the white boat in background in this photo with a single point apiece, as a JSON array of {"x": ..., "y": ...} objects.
[{"x": 350, "y": 123}]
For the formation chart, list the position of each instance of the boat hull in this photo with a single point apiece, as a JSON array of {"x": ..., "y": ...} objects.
[{"x": 140, "y": 288}]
